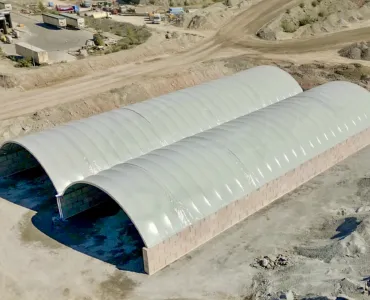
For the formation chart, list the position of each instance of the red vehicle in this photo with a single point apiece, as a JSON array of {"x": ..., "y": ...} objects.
[{"x": 65, "y": 8}]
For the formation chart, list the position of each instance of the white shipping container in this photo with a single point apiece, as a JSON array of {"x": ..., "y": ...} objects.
[
  {"x": 101, "y": 15},
  {"x": 57, "y": 21},
  {"x": 39, "y": 56},
  {"x": 74, "y": 21}
]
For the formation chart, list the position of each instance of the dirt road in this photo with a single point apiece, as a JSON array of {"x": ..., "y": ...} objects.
[
  {"x": 17, "y": 104},
  {"x": 241, "y": 30},
  {"x": 237, "y": 36},
  {"x": 140, "y": 21}
]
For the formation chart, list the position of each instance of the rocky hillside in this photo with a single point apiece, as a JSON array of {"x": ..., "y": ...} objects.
[{"x": 312, "y": 17}]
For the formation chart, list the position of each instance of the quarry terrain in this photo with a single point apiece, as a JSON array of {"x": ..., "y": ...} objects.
[
  {"x": 313, "y": 243},
  {"x": 311, "y": 18}
]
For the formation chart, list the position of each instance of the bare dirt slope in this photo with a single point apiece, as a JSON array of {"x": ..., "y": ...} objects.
[
  {"x": 314, "y": 17},
  {"x": 308, "y": 75},
  {"x": 85, "y": 87}
]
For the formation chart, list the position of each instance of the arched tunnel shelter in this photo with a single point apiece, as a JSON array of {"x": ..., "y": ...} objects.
[
  {"x": 83, "y": 148},
  {"x": 185, "y": 192},
  {"x": 182, "y": 195}
]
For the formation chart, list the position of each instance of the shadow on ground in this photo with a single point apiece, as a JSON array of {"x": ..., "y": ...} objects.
[
  {"x": 104, "y": 232},
  {"x": 47, "y": 26},
  {"x": 348, "y": 226}
]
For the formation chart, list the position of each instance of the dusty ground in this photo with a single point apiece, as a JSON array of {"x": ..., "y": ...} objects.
[
  {"x": 322, "y": 228},
  {"x": 163, "y": 27},
  {"x": 38, "y": 34},
  {"x": 214, "y": 16}
]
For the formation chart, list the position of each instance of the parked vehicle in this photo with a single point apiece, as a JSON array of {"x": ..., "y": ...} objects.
[
  {"x": 74, "y": 21},
  {"x": 55, "y": 20},
  {"x": 65, "y": 8},
  {"x": 156, "y": 19}
]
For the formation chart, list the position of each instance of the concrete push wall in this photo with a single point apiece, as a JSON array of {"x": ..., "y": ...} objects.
[
  {"x": 26, "y": 50},
  {"x": 80, "y": 200},
  {"x": 161, "y": 255}
]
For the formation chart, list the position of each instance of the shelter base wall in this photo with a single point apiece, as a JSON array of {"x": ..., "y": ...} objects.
[
  {"x": 161, "y": 255},
  {"x": 79, "y": 200},
  {"x": 16, "y": 162}
]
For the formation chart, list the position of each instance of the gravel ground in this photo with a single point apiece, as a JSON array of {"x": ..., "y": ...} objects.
[{"x": 48, "y": 37}]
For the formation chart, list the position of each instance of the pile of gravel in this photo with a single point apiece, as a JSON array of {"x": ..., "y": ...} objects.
[
  {"x": 271, "y": 261},
  {"x": 360, "y": 50}
]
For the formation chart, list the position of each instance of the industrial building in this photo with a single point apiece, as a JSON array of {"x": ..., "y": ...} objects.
[{"x": 189, "y": 165}]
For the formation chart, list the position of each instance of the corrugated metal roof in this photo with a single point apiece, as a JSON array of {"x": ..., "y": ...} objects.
[
  {"x": 170, "y": 188},
  {"x": 79, "y": 149}
]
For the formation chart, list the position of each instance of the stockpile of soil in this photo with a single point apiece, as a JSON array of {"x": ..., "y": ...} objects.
[
  {"x": 207, "y": 18},
  {"x": 212, "y": 17},
  {"x": 359, "y": 51},
  {"x": 313, "y": 17}
]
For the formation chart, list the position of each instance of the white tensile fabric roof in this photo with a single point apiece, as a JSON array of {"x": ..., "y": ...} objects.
[
  {"x": 170, "y": 188},
  {"x": 83, "y": 148}
]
